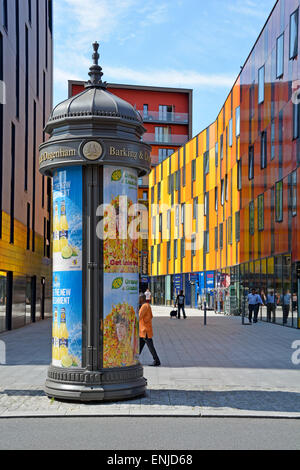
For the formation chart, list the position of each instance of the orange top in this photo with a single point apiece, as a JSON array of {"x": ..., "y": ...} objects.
[{"x": 146, "y": 316}]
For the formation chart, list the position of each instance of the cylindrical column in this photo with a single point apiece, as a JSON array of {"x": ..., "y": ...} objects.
[{"x": 95, "y": 157}]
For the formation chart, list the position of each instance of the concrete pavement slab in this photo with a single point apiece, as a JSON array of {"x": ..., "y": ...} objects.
[{"x": 223, "y": 369}]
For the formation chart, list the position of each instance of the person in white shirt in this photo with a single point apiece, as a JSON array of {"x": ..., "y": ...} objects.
[
  {"x": 148, "y": 296},
  {"x": 254, "y": 301}
]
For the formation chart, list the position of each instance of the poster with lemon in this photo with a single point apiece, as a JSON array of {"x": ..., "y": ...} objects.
[
  {"x": 67, "y": 320},
  {"x": 67, "y": 220},
  {"x": 121, "y": 325},
  {"x": 120, "y": 247},
  {"x": 67, "y": 268}
]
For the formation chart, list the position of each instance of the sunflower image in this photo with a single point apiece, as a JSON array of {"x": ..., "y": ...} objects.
[
  {"x": 120, "y": 337},
  {"x": 119, "y": 254}
]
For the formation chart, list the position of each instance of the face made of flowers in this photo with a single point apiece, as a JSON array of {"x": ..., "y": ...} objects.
[{"x": 121, "y": 331}]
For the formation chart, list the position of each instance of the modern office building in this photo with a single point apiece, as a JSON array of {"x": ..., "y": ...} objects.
[
  {"x": 167, "y": 117},
  {"x": 226, "y": 213},
  {"x": 25, "y": 196}
]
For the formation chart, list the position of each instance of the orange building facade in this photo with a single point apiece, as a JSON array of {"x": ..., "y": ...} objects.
[{"x": 225, "y": 209}]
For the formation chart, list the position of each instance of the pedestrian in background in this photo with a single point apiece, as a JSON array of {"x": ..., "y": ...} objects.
[
  {"x": 254, "y": 302},
  {"x": 180, "y": 301},
  {"x": 148, "y": 296},
  {"x": 285, "y": 303},
  {"x": 271, "y": 306},
  {"x": 146, "y": 331}
]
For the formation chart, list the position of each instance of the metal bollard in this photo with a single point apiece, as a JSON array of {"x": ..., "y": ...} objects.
[{"x": 205, "y": 316}]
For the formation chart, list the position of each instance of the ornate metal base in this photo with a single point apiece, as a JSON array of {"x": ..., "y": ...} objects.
[{"x": 104, "y": 385}]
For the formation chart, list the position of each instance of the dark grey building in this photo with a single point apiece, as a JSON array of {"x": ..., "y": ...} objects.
[{"x": 26, "y": 69}]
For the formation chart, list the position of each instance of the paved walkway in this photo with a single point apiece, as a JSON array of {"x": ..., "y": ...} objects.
[{"x": 223, "y": 369}]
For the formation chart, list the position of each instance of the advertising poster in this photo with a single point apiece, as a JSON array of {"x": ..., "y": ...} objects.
[
  {"x": 67, "y": 219},
  {"x": 121, "y": 254},
  {"x": 67, "y": 319},
  {"x": 121, "y": 325},
  {"x": 67, "y": 268}
]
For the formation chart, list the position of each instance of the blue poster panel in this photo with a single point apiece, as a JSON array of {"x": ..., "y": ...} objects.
[{"x": 67, "y": 268}]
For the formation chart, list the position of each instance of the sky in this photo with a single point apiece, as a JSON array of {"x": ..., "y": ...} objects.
[{"x": 196, "y": 44}]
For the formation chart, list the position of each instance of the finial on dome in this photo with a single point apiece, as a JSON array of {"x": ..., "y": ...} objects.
[{"x": 95, "y": 72}]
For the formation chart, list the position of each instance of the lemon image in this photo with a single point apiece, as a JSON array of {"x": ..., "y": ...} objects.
[
  {"x": 74, "y": 251},
  {"x": 67, "y": 361},
  {"x": 66, "y": 252},
  {"x": 117, "y": 175},
  {"x": 117, "y": 283}
]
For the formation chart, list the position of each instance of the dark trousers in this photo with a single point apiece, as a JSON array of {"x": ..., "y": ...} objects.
[
  {"x": 181, "y": 307},
  {"x": 253, "y": 309},
  {"x": 271, "y": 312},
  {"x": 286, "y": 311},
  {"x": 151, "y": 347}
]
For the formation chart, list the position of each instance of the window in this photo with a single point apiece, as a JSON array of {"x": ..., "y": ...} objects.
[
  {"x": 177, "y": 216},
  {"x": 169, "y": 219},
  {"x": 175, "y": 249},
  {"x": 158, "y": 253},
  {"x": 251, "y": 102},
  {"x": 230, "y": 130},
  {"x": 4, "y": 13},
  {"x": 279, "y": 201},
  {"x": 280, "y": 56},
  {"x": 29, "y": 11},
  {"x": 145, "y": 111},
  {"x": 183, "y": 176},
  {"x": 165, "y": 113},
  {"x": 216, "y": 238},
  {"x": 294, "y": 21},
  {"x": 237, "y": 226},
  {"x": 239, "y": 175},
  {"x": 177, "y": 182},
  {"x": 226, "y": 188},
  {"x": 152, "y": 195},
  {"x": 261, "y": 85},
  {"x": 160, "y": 223},
  {"x": 206, "y": 242},
  {"x": 237, "y": 121},
  {"x": 217, "y": 154},
  {"x": 216, "y": 199},
  {"x": 50, "y": 15},
  {"x": 263, "y": 150},
  {"x": 153, "y": 226},
  {"x": 28, "y": 227},
  {"x": 12, "y": 182},
  {"x": 294, "y": 193},
  {"x": 229, "y": 230},
  {"x": 206, "y": 204},
  {"x": 251, "y": 163},
  {"x": 169, "y": 251},
  {"x": 193, "y": 245},
  {"x": 273, "y": 139},
  {"x": 195, "y": 208},
  {"x": 183, "y": 248},
  {"x": 222, "y": 193},
  {"x": 163, "y": 154},
  {"x": 152, "y": 254},
  {"x": 206, "y": 163},
  {"x": 221, "y": 237},
  {"x": 159, "y": 191},
  {"x": 260, "y": 212},
  {"x": 221, "y": 147},
  {"x": 251, "y": 218},
  {"x": 193, "y": 170},
  {"x": 162, "y": 134}
]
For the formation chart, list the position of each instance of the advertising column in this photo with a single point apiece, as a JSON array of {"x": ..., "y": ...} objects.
[
  {"x": 121, "y": 277},
  {"x": 67, "y": 268}
]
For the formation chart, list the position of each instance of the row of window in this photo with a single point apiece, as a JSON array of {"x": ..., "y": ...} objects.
[{"x": 293, "y": 53}]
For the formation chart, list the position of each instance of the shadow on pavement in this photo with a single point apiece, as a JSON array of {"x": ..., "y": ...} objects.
[{"x": 248, "y": 400}]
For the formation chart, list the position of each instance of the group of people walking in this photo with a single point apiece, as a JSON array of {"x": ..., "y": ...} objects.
[{"x": 271, "y": 300}]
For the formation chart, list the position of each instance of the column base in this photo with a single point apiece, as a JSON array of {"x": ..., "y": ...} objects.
[{"x": 103, "y": 385}]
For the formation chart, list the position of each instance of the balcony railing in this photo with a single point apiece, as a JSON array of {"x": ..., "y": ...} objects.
[
  {"x": 176, "y": 118},
  {"x": 174, "y": 139}
]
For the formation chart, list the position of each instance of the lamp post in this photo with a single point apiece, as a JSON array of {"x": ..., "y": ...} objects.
[{"x": 95, "y": 156}]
